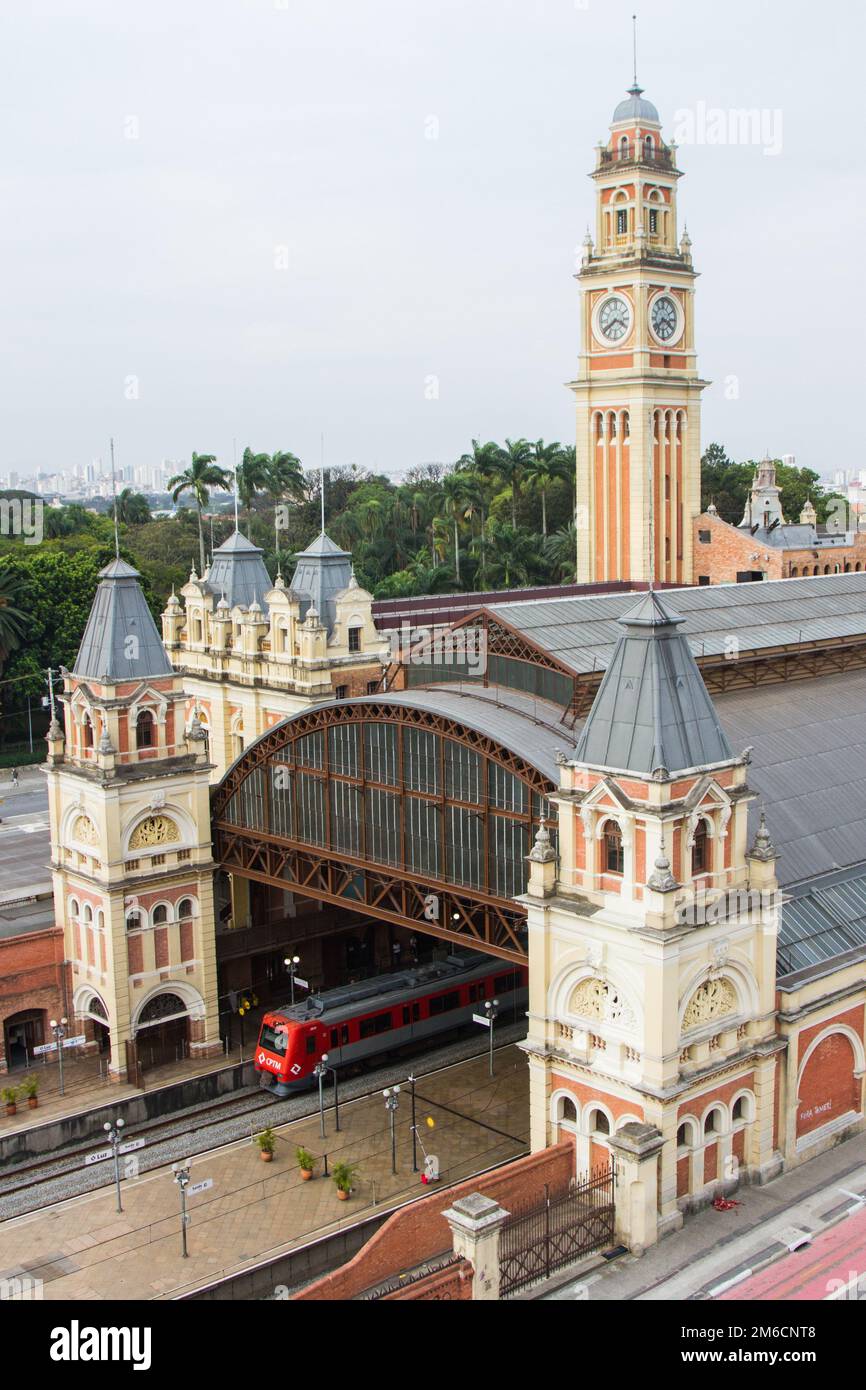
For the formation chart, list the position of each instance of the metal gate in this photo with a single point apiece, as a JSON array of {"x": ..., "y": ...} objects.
[{"x": 537, "y": 1240}]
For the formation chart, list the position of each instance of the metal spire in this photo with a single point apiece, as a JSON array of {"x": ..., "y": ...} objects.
[
  {"x": 634, "y": 44},
  {"x": 321, "y": 471},
  {"x": 114, "y": 491},
  {"x": 235, "y": 459}
]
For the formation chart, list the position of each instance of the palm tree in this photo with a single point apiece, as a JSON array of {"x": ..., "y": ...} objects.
[
  {"x": 516, "y": 554},
  {"x": 545, "y": 465},
  {"x": 13, "y": 619},
  {"x": 284, "y": 480},
  {"x": 202, "y": 474},
  {"x": 251, "y": 476},
  {"x": 458, "y": 505},
  {"x": 439, "y": 537},
  {"x": 560, "y": 551},
  {"x": 132, "y": 508},
  {"x": 511, "y": 464}
]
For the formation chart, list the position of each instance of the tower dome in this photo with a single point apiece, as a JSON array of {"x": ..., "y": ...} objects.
[{"x": 634, "y": 108}]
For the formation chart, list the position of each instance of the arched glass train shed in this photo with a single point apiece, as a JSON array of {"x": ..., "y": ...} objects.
[{"x": 419, "y": 809}]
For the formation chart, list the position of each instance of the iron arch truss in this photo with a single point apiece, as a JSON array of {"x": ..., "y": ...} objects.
[{"x": 400, "y": 812}]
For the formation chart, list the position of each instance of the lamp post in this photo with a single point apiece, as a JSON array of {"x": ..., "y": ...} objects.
[
  {"x": 291, "y": 963},
  {"x": 412, "y": 1079},
  {"x": 391, "y": 1095},
  {"x": 319, "y": 1071},
  {"x": 59, "y": 1031},
  {"x": 115, "y": 1134},
  {"x": 181, "y": 1177},
  {"x": 491, "y": 1008},
  {"x": 333, "y": 1071}
]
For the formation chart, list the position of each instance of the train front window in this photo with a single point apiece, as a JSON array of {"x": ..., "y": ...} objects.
[{"x": 272, "y": 1039}]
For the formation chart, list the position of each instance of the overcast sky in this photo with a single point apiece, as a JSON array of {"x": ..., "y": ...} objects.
[{"x": 228, "y": 218}]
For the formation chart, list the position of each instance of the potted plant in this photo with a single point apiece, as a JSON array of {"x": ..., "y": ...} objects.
[
  {"x": 306, "y": 1162},
  {"x": 10, "y": 1095},
  {"x": 267, "y": 1142},
  {"x": 344, "y": 1176},
  {"x": 29, "y": 1088}
]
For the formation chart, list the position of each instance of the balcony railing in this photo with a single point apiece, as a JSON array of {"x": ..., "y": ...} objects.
[{"x": 662, "y": 158}]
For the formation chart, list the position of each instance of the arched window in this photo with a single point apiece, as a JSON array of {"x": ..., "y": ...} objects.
[
  {"x": 133, "y": 921},
  {"x": 684, "y": 1136},
  {"x": 74, "y": 908},
  {"x": 713, "y": 1122},
  {"x": 185, "y": 907},
  {"x": 87, "y": 732},
  {"x": 614, "y": 855},
  {"x": 741, "y": 1109},
  {"x": 566, "y": 1110},
  {"x": 144, "y": 730},
  {"x": 624, "y": 147},
  {"x": 197, "y": 629},
  {"x": 848, "y": 569},
  {"x": 160, "y": 915},
  {"x": 793, "y": 571},
  {"x": 701, "y": 850},
  {"x": 88, "y": 913},
  {"x": 648, "y": 147},
  {"x": 599, "y": 1123},
  {"x": 826, "y": 569}
]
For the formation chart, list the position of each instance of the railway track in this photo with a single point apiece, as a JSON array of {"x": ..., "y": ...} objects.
[{"x": 49, "y": 1181}]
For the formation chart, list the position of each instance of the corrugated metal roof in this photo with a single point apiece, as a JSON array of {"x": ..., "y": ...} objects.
[
  {"x": 582, "y": 631},
  {"x": 825, "y": 921}
]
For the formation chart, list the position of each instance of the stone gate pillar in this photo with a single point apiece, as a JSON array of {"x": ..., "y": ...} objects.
[
  {"x": 636, "y": 1149},
  {"x": 476, "y": 1222}
]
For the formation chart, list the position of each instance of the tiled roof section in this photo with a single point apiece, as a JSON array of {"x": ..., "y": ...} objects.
[
  {"x": 238, "y": 571},
  {"x": 582, "y": 632},
  {"x": 120, "y": 641},
  {"x": 652, "y": 711}
]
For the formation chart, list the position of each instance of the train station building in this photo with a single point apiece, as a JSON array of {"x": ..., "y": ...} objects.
[{"x": 654, "y": 799}]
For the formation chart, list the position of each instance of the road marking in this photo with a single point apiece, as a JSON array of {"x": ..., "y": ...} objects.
[{"x": 729, "y": 1283}]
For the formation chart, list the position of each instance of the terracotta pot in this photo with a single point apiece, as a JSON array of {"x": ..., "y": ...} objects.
[
  {"x": 11, "y": 1108},
  {"x": 306, "y": 1174},
  {"x": 32, "y": 1102},
  {"x": 343, "y": 1196},
  {"x": 266, "y": 1157}
]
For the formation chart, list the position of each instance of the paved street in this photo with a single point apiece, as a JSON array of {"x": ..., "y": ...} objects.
[
  {"x": 84, "y": 1249},
  {"x": 24, "y": 845},
  {"x": 715, "y": 1246}
]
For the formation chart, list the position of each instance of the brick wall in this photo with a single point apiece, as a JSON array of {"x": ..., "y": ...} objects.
[
  {"x": 418, "y": 1232},
  {"x": 453, "y": 1283},
  {"x": 31, "y": 978},
  {"x": 730, "y": 551}
]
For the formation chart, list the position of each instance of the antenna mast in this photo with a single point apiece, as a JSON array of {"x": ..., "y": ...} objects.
[
  {"x": 634, "y": 44},
  {"x": 322, "y": 481},
  {"x": 114, "y": 491},
  {"x": 235, "y": 461}
]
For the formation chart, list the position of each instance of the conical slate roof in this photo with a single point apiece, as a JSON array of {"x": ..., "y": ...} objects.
[
  {"x": 652, "y": 710},
  {"x": 238, "y": 571},
  {"x": 121, "y": 641},
  {"x": 323, "y": 571}
]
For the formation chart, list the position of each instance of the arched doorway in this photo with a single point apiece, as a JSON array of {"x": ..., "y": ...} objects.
[
  {"x": 22, "y": 1032},
  {"x": 99, "y": 1024},
  {"x": 162, "y": 1033}
]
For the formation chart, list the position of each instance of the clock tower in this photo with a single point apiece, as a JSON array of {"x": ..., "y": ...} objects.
[{"x": 638, "y": 390}]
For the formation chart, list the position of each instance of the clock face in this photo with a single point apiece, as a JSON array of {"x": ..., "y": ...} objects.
[
  {"x": 614, "y": 318},
  {"x": 664, "y": 318}
]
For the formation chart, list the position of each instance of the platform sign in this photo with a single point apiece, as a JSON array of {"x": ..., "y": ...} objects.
[
  {"x": 99, "y": 1156},
  {"x": 204, "y": 1186},
  {"x": 305, "y": 984},
  {"x": 52, "y": 1047},
  {"x": 131, "y": 1145},
  {"x": 481, "y": 1018}
]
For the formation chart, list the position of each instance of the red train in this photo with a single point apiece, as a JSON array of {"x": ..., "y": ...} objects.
[{"x": 355, "y": 1022}]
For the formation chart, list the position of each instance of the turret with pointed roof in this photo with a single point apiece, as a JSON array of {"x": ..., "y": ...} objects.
[
  {"x": 652, "y": 714},
  {"x": 238, "y": 571},
  {"x": 323, "y": 571},
  {"x": 121, "y": 641}
]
